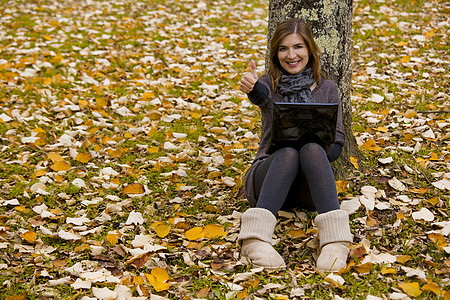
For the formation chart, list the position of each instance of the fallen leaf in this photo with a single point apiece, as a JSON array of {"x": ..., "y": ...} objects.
[
  {"x": 162, "y": 230},
  {"x": 29, "y": 236},
  {"x": 194, "y": 233},
  {"x": 158, "y": 278},
  {"x": 214, "y": 231},
  {"x": 411, "y": 288},
  {"x": 134, "y": 188}
]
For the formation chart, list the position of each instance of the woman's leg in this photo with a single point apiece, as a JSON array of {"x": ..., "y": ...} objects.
[
  {"x": 316, "y": 168},
  {"x": 274, "y": 177}
]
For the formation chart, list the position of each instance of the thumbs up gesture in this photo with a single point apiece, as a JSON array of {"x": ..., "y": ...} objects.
[{"x": 248, "y": 80}]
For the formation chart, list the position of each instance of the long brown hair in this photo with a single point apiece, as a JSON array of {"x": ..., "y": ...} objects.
[{"x": 284, "y": 29}]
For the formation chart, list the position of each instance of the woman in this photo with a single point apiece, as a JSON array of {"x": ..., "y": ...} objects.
[{"x": 292, "y": 177}]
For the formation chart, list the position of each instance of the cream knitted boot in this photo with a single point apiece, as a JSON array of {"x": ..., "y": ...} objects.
[
  {"x": 255, "y": 239},
  {"x": 335, "y": 239}
]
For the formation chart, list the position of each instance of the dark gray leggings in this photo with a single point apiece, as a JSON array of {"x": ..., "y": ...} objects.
[{"x": 291, "y": 178}]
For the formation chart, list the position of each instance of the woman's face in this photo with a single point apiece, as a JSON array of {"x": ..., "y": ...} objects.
[{"x": 293, "y": 53}]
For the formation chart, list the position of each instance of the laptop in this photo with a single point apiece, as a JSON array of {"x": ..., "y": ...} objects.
[{"x": 296, "y": 124}]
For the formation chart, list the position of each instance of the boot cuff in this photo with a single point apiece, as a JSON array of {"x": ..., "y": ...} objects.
[
  {"x": 333, "y": 226},
  {"x": 257, "y": 223}
]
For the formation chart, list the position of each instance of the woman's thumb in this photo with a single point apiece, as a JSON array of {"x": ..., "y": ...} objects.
[{"x": 253, "y": 69}]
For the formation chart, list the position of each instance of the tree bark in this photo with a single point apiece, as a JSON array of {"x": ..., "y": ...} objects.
[{"x": 331, "y": 23}]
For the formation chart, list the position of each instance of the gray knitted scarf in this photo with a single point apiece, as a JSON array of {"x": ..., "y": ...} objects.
[{"x": 297, "y": 87}]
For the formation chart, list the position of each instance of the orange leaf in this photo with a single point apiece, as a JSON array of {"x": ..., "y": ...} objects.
[
  {"x": 134, "y": 188},
  {"x": 61, "y": 166},
  {"x": 83, "y": 157},
  {"x": 194, "y": 233},
  {"x": 214, "y": 231},
  {"x": 48, "y": 81},
  {"x": 296, "y": 233},
  {"x": 411, "y": 288},
  {"x": 29, "y": 236},
  {"x": 112, "y": 238}
]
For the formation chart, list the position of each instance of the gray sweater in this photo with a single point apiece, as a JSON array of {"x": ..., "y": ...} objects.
[{"x": 264, "y": 96}]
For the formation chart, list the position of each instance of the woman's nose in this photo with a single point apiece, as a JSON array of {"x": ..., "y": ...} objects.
[{"x": 291, "y": 53}]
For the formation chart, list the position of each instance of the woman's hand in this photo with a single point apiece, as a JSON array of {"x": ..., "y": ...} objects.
[{"x": 248, "y": 81}]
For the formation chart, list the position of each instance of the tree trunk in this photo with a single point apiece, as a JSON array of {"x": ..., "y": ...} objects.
[{"x": 331, "y": 23}]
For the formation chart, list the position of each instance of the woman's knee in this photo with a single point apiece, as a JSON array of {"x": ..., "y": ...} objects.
[
  {"x": 289, "y": 154},
  {"x": 312, "y": 150}
]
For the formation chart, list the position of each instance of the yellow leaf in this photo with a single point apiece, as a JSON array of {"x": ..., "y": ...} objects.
[
  {"x": 83, "y": 103},
  {"x": 83, "y": 157},
  {"x": 403, "y": 258},
  {"x": 134, "y": 188},
  {"x": 54, "y": 23},
  {"x": 157, "y": 279},
  {"x": 405, "y": 59},
  {"x": 48, "y": 81},
  {"x": 61, "y": 166},
  {"x": 341, "y": 185},
  {"x": 410, "y": 113},
  {"x": 385, "y": 271},
  {"x": 162, "y": 229},
  {"x": 112, "y": 238},
  {"x": 29, "y": 236},
  {"x": 194, "y": 233},
  {"x": 411, "y": 288},
  {"x": 101, "y": 102},
  {"x": 382, "y": 129},
  {"x": 153, "y": 149},
  {"x": 128, "y": 135},
  {"x": 55, "y": 157},
  {"x": 21, "y": 209},
  {"x": 438, "y": 239},
  {"x": 364, "y": 268},
  {"x": 432, "y": 287},
  {"x": 371, "y": 145},
  {"x": 354, "y": 162},
  {"x": 296, "y": 233},
  {"x": 39, "y": 173},
  {"x": 214, "y": 231},
  {"x": 148, "y": 95},
  {"x": 400, "y": 44}
]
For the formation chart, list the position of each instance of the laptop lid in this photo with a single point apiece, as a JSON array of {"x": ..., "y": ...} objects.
[{"x": 295, "y": 124}]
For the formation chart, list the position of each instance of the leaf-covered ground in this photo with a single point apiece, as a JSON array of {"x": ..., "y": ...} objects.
[{"x": 124, "y": 141}]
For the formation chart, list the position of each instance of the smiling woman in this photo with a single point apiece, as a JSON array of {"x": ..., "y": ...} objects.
[{"x": 298, "y": 176}]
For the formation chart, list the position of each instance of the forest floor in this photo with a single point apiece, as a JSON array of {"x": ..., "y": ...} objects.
[{"x": 124, "y": 141}]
